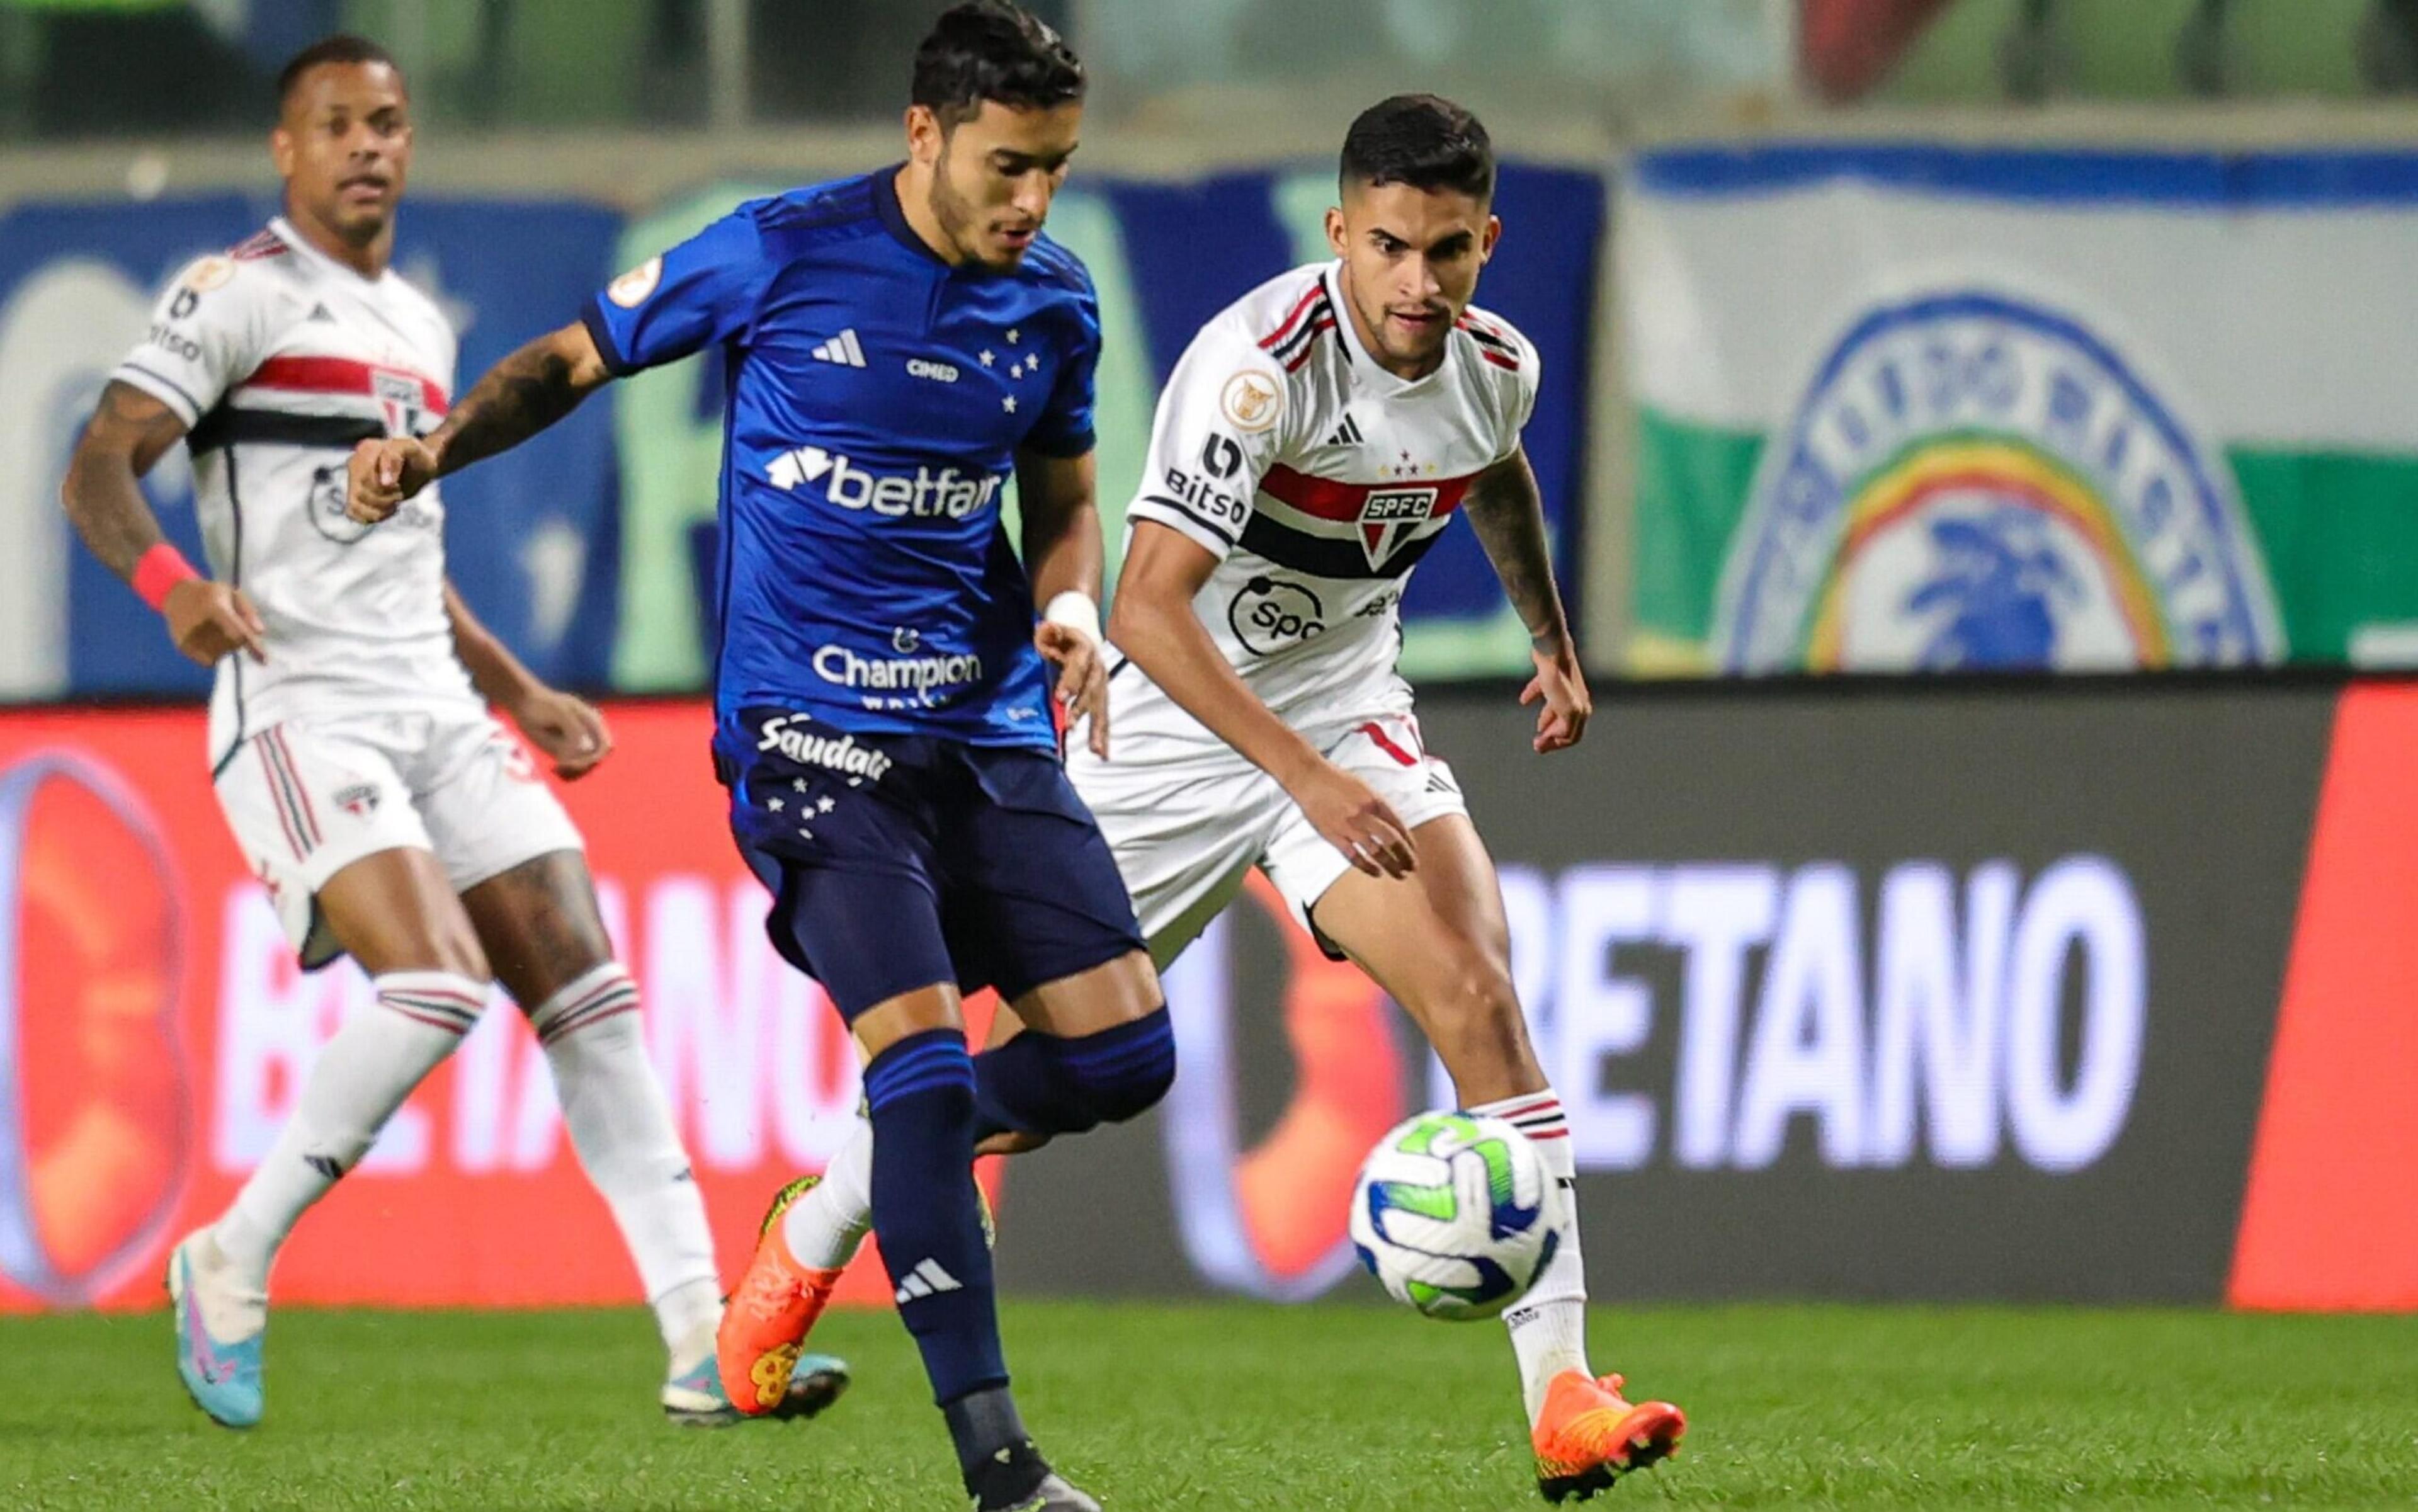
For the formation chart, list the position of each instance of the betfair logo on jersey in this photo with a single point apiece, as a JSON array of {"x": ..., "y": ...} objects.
[
  {"x": 1388, "y": 515},
  {"x": 924, "y": 495}
]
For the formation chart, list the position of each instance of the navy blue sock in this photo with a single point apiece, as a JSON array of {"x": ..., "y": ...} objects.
[
  {"x": 920, "y": 1094},
  {"x": 1043, "y": 1084}
]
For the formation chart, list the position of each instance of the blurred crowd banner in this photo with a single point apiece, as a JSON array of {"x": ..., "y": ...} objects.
[
  {"x": 590, "y": 549},
  {"x": 2085, "y": 991},
  {"x": 1914, "y": 407}
]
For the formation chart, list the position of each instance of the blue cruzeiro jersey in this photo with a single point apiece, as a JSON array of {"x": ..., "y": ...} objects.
[{"x": 876, "y": 397}]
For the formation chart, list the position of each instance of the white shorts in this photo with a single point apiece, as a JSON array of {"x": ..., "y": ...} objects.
[
  {"x": 1187, "y": 833},
  {"x": 309, "y": 797}
]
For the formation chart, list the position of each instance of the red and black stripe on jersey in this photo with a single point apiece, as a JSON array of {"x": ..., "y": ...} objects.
[
  {"x": 1291, "y": 342},
  {"x": 1327, "y": 498},
  {"x": 262, "y": 243},
  {"x": 233, "y": 424},
  {"x": 1491, "y": 343},
  {"x": 228, "y": 426}
]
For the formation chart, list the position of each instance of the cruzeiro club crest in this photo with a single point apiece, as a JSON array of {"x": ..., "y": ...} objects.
[{"x": 1973, "y": 482}]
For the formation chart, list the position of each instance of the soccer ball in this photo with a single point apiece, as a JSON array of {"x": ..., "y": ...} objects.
[{"x": 1451, "y": 1214}]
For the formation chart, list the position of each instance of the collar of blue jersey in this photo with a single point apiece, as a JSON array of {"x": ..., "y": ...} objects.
[{"x": 894, "y": 215}]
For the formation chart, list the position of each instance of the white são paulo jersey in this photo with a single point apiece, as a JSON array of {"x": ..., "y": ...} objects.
[
  {"x": 279, "y": 360},
  {"x": 1318, "y": 479}
]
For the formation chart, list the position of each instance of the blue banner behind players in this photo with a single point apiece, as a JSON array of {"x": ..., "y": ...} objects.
[
  {"x": 584, "y": 549},
  {"x": 533, "y": 542}
]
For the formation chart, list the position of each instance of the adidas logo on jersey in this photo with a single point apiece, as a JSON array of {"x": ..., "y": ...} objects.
[
  {"x": 1347, "y": 434},
  {"x": 319, "y": 313},
  {"x": 926, "y": 1280},
  {"x": 843, "y": 349}
]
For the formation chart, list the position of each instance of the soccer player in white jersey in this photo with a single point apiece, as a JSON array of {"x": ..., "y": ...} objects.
[
  {"x": 1314, "y": 441},
  {"x": 390, "y": 817}
]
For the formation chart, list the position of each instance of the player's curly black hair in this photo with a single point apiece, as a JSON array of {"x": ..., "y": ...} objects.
[
  {"x": 992, "y": 50},
  {"x": 343, "y": 47},
  {"x": 1425, "y": 141}
]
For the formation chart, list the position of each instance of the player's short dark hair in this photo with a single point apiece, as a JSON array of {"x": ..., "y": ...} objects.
[
  {"x": 996, "y": 51},
  {"x": 343, "y": 47},
  {"x": 1425, "y": 141}
]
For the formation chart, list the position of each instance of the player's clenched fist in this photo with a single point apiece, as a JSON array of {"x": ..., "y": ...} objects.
[
  {"x": 208, "y": 620},
  {"x": 567, "y": 730},
  {"x": 1356, "y": 821},
  {"x": 382, "y": 474}
]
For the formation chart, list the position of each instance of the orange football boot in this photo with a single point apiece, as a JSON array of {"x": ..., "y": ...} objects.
[
  {"x": 765, "y": 1322},
  {"x": 1586, "y": 1437}
]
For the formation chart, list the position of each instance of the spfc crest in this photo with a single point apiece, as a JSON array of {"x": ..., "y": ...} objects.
[
  {"x": 1387, "y": 518},
  {"x": 403, "y": 399}
]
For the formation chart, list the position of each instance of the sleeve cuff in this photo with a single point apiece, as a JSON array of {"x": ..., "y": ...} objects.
[
  {"x": 1061, "y": 446},
  {"x": 1215, "y": 540},
  {"x": 161, "y": 387},
  {"x": 600, "y": 331}
]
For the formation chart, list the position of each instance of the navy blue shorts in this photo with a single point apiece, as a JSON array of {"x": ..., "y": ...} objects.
[{"x": 898, "y": 862}]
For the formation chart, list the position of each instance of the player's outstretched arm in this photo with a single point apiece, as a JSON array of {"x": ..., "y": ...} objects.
[
  {"x": 1156, "y": 624},
  {"x": 567, "y": 729},
  {"x": 1509, "y": 515},
  {"x": 128, "y": 433},
  {"x": 520, "y": 396},
  {"x": 1059, "y": 499}
]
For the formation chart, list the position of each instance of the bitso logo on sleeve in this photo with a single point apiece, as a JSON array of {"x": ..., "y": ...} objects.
[{"x": 1975, "y": 481}]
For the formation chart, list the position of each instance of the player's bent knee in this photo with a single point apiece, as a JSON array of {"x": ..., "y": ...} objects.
[
  {"x": 1123, "y": 1072},
  {"x": 1475, "y": 1020}
]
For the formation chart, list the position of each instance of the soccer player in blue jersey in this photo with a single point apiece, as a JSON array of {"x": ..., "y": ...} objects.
[{"x": 897, "y": 344}]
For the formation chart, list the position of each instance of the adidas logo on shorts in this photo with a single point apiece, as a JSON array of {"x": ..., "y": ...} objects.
[{"x": 843, "y": 349}]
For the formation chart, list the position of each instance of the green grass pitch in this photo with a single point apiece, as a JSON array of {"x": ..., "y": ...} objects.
[{"x": 1243, "y": 1407}]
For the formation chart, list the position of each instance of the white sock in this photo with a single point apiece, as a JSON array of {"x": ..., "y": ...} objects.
[
  {"x": 824, "y": 1227},
  {"x": 622, "y": 1126},
  {"x": 362, "y": 1075},
  {"x": 232, "y": 1309},
  {"x": 1548, "y": 1326}
]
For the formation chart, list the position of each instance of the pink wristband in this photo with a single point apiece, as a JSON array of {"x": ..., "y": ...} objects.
[{"x": 162, "y": 568}]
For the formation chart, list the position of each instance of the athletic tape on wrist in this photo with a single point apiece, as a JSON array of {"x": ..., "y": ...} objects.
[{"x": 1076, "y": 610}]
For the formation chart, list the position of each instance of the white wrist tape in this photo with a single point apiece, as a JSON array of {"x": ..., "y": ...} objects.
[{"x": 1077, "y": 611}]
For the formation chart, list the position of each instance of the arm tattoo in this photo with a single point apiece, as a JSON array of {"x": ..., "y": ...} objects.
[
  {"x": 1509, "y": 515},
  {"x": 520, "y": 396},
  {"x": 103, "y": 492}
]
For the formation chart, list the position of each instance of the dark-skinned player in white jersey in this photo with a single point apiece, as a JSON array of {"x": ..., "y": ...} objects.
[{"x": 351, "y": 744}]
